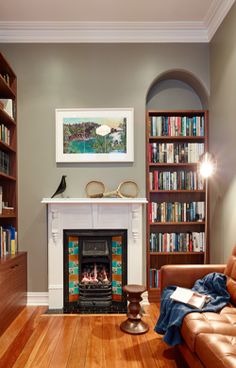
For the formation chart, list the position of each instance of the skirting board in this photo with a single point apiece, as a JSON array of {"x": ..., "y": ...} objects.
[
  {"x": 41, "y": 298},
  {"x": 37, "y": 298}
]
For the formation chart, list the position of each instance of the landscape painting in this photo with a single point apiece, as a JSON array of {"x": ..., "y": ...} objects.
[{"x": 94, "y": 135}]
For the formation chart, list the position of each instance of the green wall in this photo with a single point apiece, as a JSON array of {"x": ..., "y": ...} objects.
[
  {"x": 84, "y": 75},
  {"x": 223, "y": 137}
]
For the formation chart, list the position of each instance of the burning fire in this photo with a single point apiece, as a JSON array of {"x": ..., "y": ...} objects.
[{"x": 95, "y": 276}]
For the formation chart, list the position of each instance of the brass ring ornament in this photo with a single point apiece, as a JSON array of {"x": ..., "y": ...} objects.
[{"x": 126, "y": 189}]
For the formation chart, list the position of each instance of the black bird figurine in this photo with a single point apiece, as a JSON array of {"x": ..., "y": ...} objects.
[{"x": 62, "y": 186}]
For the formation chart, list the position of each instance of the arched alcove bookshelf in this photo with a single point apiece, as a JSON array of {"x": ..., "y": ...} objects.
[{"x": 176, "y": 136}]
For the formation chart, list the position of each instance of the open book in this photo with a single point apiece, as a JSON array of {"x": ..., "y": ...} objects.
[{"x": 190, "y": 297}]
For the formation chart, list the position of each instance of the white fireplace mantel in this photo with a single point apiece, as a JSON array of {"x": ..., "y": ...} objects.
[{"x": 92, "y": 213}]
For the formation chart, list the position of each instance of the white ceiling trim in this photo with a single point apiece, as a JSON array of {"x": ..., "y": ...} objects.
[
  {"x": 102, "y": 32},
  {"x": 116, "y": 32},
  {"x": 215, "y": 16}
]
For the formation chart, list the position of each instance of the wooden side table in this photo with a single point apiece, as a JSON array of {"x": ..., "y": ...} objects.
[{"x": 134, "y": 324}]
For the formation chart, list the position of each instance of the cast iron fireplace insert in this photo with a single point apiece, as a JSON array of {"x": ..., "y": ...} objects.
[{"x": 95, "y": 271}]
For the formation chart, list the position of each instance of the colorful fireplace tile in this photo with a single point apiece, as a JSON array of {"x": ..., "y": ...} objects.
[
  {"x": 73, "y": 268},
  {"x": 117, "y": 269}
]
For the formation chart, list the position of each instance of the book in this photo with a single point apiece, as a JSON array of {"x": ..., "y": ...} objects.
[
  {"x": 8, "y": 240},
  {"x": 190, "y": 297},
  {"x": 8, "y": 106},
  {"x": 0, "y": 200}
]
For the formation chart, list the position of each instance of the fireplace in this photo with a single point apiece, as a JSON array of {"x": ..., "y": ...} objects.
[
  {"x": 93, "y": 214},
  {"x": 95, "y": 271}
]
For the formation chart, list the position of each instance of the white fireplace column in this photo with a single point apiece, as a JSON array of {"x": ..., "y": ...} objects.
[{"x": 89, "y": 214}]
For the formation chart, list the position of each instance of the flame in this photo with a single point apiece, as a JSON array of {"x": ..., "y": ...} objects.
[{"x": 95, "y": 276}]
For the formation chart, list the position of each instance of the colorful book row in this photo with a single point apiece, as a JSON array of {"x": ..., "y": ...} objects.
[
  {"x": 174, "y": 126},
  {"x": 4, "y": 134},
  {"x": 175, "y": 180},
  {"x": 176, "y": 211},
  {"x": 8, "y": 240},
  {"x": 154, "y": 278},
  {"x": 175, "y": 152},
  {"x": 177, "y": 242}
]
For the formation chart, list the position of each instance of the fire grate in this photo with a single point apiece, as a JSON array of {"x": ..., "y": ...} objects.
[
  {"x": 95, "y": 295},
  {"x": 115, "y": 308}
]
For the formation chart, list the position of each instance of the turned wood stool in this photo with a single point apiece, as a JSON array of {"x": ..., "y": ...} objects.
[{"x": 134, "y": 324}]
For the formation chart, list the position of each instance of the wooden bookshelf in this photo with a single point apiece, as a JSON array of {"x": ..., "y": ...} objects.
[
  {"x": 8, "y": 144},
  {"x": 177, "y": 214},
  {"x": 13, "y": 264}
]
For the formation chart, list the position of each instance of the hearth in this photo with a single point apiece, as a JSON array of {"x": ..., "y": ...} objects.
[{"x": 95, "y": 271}]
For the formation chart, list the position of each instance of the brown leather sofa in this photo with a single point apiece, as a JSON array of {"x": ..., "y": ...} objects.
[{"x": 209, "y": 338}]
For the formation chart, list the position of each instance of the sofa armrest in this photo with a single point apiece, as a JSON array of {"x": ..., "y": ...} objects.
[{"x": 186, "y": 275}]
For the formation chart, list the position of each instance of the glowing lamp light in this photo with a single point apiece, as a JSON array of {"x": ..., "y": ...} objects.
[{"x": 207, "y": 165}]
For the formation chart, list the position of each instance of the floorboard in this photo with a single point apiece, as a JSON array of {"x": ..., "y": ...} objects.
[{"x": 39, "y": 340}]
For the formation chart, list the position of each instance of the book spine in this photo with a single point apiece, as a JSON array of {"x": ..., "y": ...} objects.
[{"x": 0, "y": 200}]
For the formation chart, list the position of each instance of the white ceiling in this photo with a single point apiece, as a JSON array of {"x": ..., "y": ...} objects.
[
  {"x": 111, "y": 20},
  {"x": 106, "y": 10}
]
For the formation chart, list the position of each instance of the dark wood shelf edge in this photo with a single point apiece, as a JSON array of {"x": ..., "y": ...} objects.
[
  {"x": 5, "y": 176},
  {"x": 176, "y": 191},
  {"x": 9, "y": 257},
  {"x": 10, "y": 120},
  {"x": 176, "y": 138},
  {"x": 175, "y": 253},
  {"x": 176, "y": 112},
  {"x": 7, "y": 89},
  {"x": 176, "y": 223},
  {"x": 2, "y": 216},
  {"x": 7, "y": 147},
  {"x": 174, "y": 164}
]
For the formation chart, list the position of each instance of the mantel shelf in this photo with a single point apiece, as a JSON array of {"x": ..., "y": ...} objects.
[{"x": 93, "y": 200}]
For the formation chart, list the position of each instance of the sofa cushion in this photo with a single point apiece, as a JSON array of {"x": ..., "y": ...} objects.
[
  {"x": 228, "y": 309},
  {"x": 218, "y": 351},
  {"x": 217, "y": 323},
  {"x": 230, "y": 269},
  {"x": 231, "y": 288}
]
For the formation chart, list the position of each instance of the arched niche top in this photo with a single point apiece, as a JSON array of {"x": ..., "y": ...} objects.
[{"x": 184, "y": 77}]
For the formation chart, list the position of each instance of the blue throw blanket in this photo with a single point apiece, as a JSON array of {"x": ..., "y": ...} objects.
[{"x": 172, "y": 313}]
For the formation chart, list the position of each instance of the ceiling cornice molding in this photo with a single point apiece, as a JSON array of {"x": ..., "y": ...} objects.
[
  {"x": 114, "y": 32},
  {"x": 215, "y": 16}
]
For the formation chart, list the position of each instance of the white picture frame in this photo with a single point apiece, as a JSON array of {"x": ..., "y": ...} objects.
[{"x": 95, "y": 135}]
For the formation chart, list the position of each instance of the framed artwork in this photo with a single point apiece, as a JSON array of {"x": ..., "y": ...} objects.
[{"x": 94, "y": 135}]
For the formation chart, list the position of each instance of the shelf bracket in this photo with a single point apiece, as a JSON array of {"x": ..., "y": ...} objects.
[
  {"x": 135, "y": 223},
  {"x": 55, "y": 225}
]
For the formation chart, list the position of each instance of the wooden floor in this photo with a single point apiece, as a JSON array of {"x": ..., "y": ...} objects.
[{"x": 42, "y": 340}]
